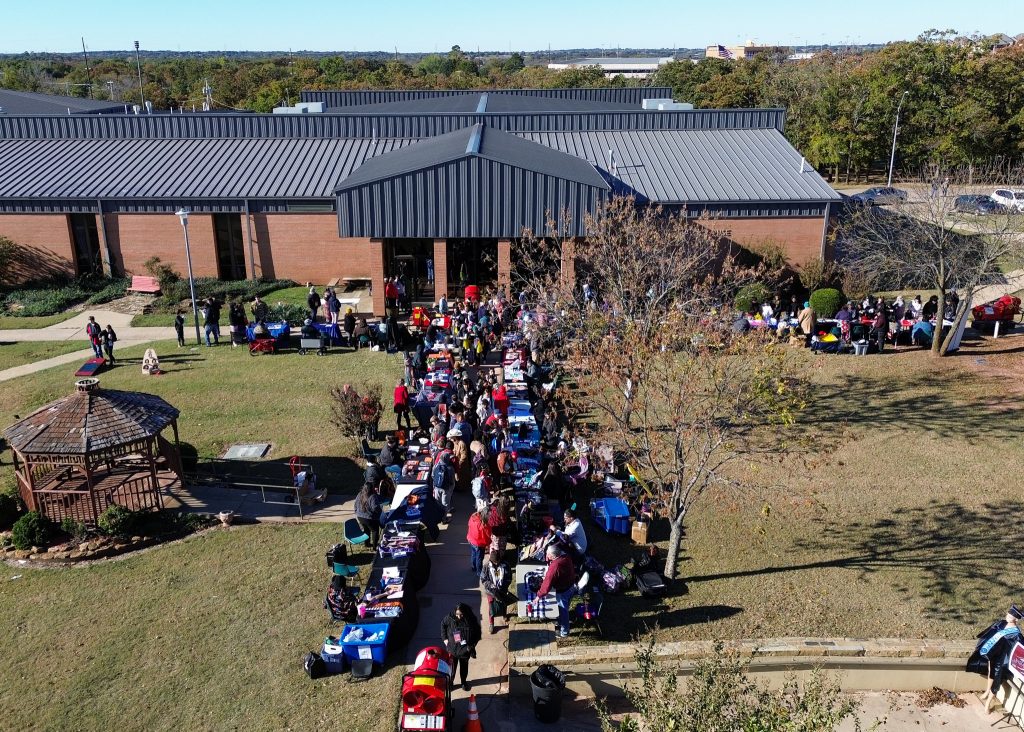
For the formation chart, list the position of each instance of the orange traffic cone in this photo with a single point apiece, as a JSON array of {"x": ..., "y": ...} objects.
[{"x": 473, "y": 723}]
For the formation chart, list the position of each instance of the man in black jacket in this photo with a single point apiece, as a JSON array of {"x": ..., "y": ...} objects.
[
  {"x": 313, "y": 301},
  {"x": 460, "y": 632}
]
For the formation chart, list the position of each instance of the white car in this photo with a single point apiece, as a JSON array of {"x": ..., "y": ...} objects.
[{"x": 1008, "y": 198}]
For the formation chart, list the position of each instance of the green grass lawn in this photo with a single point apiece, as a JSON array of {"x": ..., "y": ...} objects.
[
  {"x": 226, "y": 397},
  {"x": 898, "y": 518},
  {"x": 22, "y": 352},
  {"x": 11, "y": 322},
  {"x": 290, "y": 296},
  {"x": 208, "y": 634},
  {"x": 161, "y": 320}
]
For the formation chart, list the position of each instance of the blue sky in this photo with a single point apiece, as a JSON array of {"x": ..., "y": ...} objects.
[{"x": 58, "y": 25}]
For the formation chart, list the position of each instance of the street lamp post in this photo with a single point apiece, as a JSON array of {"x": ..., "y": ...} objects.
[
  {"x": 138, "y": 65},
  {"x": 895, "y": 131},
  {"x": 183, "y": 216}
]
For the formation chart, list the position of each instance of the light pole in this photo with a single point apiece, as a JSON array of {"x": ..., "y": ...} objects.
[
  {"x": 183, "y": 216},
  {"x": 895, "y": 131},
  {"x": 138, "y": 65}
]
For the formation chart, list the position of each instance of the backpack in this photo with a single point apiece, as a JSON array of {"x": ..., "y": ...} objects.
[
  {"x": 337, "y": 554},
  {"x": 650, "y": 584},
  {"x": 314, "y": 666}
]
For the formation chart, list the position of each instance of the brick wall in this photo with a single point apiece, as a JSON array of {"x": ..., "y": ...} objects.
[
  {"x": 134, "y": 238},
  {"x": 46, "y": 247},
  {"x": 307, "y": 248},
  {"x": 505, "y": 266},
  {"x": 800, "y": 238},
  {"x": 440, "y": 268}
]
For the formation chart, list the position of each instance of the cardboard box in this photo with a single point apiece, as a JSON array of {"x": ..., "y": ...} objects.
[{"x": 639, "y": 532}]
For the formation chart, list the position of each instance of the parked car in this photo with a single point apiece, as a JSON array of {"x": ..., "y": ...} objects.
[
  {"x": 1010, "y": 199},
  {"x": 978, "y": 204},
  {"x": 880, "y": 195}
]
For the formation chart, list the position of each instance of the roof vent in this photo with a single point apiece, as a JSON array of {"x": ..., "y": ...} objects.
[{"x": 87, "y": 385}]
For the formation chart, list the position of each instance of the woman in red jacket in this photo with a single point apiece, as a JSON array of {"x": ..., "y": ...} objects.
[
  {"x": 479, "y": 537},
  {"x": 402, "y": 406},
  {"x": 499, "y": 395}
]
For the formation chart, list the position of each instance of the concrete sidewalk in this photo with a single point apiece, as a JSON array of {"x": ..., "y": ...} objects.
[{"x": 75, "y": 328}]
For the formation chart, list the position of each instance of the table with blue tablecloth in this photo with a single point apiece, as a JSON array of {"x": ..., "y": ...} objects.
[
  {"x": 278, "y": 331},
  {"x": 330, "y": 331}
]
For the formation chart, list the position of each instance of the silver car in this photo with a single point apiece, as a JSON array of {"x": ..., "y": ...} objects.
[{"x": 880, "y": 195}]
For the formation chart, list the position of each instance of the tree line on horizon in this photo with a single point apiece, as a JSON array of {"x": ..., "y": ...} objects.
[{"x": 964, "y": 103}]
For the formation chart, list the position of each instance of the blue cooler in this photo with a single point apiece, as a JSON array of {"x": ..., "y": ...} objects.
[
  {"x": 376, "y": 649},
  {"x": 333, "y": 654},
  {"x": 611, "y": 514}
]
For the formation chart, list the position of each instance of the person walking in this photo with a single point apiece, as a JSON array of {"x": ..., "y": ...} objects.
[
  {"x": 479, "y": 537},
  {"x": 560, "y": 579},
  {"x": 109, "y": 339},
  {"x": 95, "y": 334},
  {"x": 402, "y": 406},
  {"x": 460, "y": 632},
  {"x": 496, "y": 579}
]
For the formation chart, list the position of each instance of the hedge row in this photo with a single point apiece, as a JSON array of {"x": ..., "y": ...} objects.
[{"x": 50, "y": 298}]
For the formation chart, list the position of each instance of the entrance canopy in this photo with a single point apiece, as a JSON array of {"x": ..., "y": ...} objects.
[{"x": 477, "y": 182}]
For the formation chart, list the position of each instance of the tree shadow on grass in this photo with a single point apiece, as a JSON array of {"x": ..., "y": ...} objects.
[
  {"x": 919, "y": 402},
  {"x": 955, "y": 562}
]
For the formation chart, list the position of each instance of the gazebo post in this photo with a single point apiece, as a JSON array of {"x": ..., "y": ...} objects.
[
  {"x": 152, "y": 472},
  {"x": 88, "y": 485}
]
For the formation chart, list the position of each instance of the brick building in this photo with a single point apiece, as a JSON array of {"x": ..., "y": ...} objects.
[{"x": 389, "y": 182}]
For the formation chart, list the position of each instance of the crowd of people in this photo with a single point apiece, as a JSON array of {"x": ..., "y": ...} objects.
[{"x": 873, "y": 320}]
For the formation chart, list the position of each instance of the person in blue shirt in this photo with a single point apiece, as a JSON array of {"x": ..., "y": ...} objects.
[
  {"x": 922, "y": 333},
  {"x": 991, "y": 657}
]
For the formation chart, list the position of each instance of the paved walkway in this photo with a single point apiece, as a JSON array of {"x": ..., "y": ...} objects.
[{"x": 248, "y": 504}]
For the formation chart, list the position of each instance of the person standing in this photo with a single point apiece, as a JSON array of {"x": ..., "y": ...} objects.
[
  {"x": 880, "y": 328},
  {"x": 460, "y": 632},
  {"x": 260, "y": 311},
  {"x": 236, "y": 323},
  {"x": 333, "y": 306},
  {"x": 560, "y": 579},
  {"x": 430, "y": 271},
  {"x": 479, "y": 537},
  {"x": 402, "y": 406},
  {"x": 349, "y": 324},
  {"x": 807, "y": 319},
  {"x": 368, "y": 506},
  {"x": 95, "y": 334},
  {"x": 179, "y": 327},
  {"x": 443, "y": 482},
  {"x": 211, "y": 320},
  {"x": 109, "y": 339},
  {"x": 312, "y": 301},
  {"x": 496, "y": 579}
]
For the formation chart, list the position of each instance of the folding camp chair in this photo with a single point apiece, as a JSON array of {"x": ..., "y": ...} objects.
[{"x": 354, "y": 535}]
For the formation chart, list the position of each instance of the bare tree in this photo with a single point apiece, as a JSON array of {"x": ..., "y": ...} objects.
[
  {"x": 926, "y": 242},
  {"x": 659, "y": 375}
]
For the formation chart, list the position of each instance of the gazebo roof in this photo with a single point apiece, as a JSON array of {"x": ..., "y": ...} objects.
[{"x": 90, "y": 420}]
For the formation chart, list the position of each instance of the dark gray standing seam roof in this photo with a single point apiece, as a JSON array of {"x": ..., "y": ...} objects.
[
  {"x": 190, "y": 168},
  {"x": 666, "y": 166},
  {"x": 708, "y": 166},
  {"x": 632, "y": 95},
  {"x": 478, "y": 182},
  {"x": 496, "y": 145},
  {"x": 21, "y": 102}
]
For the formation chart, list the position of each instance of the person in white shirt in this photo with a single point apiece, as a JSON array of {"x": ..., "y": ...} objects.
[{"x": 573, "y": 531}]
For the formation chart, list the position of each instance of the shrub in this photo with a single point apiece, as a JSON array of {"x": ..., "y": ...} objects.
[
  {"x": 750, "y": 296},
  {"x": 176, "y": 292},
  {"x": 817, "y": 274},
  {"x": 113, "y": 290},
  {"x": 75, "y": 529},
  {"x": 164, "y": 273},
  {"x": 118, "y": 521},
  {"x": 356, "y": 411},
  {"x": 826, "y": 302},
  {"x": 32, "y": 529},
  {"x": 856, "y": 283},
  {"x": 10, "y": 507},
  {"x": 294, "y": 314}
]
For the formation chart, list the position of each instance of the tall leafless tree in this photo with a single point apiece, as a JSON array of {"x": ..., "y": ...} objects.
[{"x": 658, "y": 374}]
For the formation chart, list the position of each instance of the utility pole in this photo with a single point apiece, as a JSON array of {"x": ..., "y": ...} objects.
[
  {"x": 895, "y": 131},
  {"x": 138, "y": 65},
  {"x": 88, "y": 70}
]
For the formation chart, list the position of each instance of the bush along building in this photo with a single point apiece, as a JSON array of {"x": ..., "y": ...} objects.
[{"x": 361, "y": 185}]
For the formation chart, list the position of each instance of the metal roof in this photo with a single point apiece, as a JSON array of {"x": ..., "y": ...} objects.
[
  {"x": 22, "y": 102},
  {"x": 668, "y": 166},
  {"x": 684, "y": 166},
  {"x": 487, "y": 102},
  {"x": 632, "y": 95},
  {"x": 478, "y": 141},
  {"x": 183, "y": 168}
]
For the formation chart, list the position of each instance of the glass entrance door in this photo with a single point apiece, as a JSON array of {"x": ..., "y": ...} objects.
[
  {"x": 87, "y": 244},
  {"x": 413, "y": 261},
  {"x": 230, "y": 246}
]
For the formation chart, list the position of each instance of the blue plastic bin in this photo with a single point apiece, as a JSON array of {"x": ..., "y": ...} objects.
[
  {"x": 356, "y": 650},
  {"x": 611, "y": 514}
]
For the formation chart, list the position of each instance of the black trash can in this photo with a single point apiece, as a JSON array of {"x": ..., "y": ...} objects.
[{"x": 547, "y": 683}]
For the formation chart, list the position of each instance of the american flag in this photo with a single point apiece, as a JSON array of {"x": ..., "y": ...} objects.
[{"x": 724, "y": 52}]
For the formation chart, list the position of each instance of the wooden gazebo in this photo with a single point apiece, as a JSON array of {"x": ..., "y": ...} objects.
[{"x": 76, "y": 456}]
